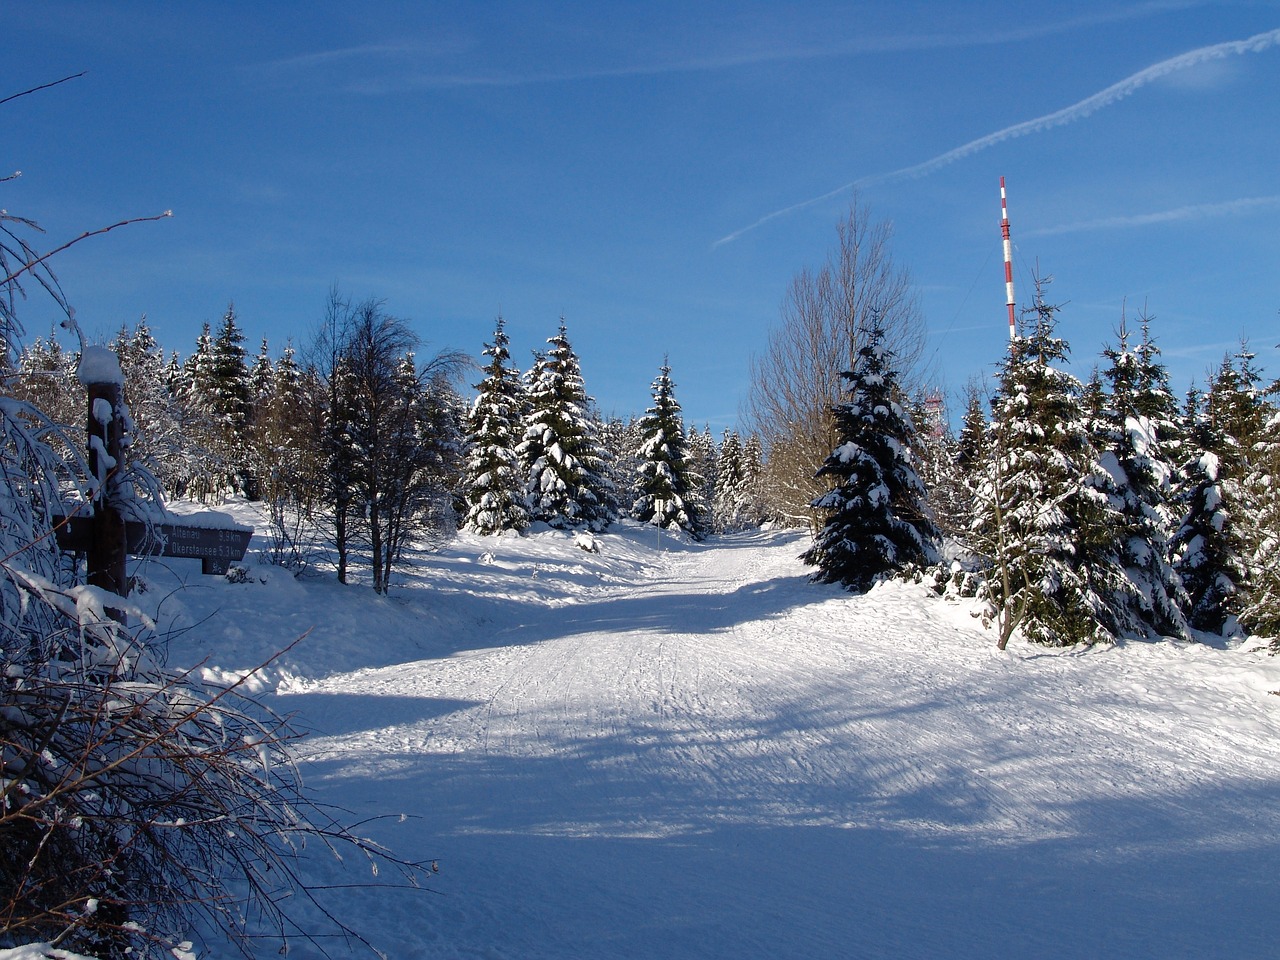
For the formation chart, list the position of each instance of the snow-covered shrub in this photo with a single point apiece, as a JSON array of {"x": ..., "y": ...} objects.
[
  {"x": 237, "y": 574},
  {"x": 138, "y": 805}
]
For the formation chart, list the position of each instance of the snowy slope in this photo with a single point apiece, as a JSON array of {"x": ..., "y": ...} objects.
[{"x": 692, "y": 752}]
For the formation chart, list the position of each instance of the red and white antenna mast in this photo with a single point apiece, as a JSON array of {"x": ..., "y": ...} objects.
[{"x": 1008, "y": 259}]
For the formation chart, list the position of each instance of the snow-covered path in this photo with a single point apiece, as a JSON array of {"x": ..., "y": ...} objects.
[{"x": 698, "y": 754}]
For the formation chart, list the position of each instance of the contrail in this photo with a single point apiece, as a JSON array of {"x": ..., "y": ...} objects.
[
  {"x": 1077, "y": 111},
  {"x": 1195, "y": 211},
  {"x": 365, "y": 57}
]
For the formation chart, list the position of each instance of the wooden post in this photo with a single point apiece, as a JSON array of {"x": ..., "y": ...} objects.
[
  {"x": 104, "y": 536},
  {"x": 99, "y": 373}
]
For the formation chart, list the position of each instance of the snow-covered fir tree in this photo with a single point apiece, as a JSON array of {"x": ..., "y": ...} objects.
[
  {"x": 1093, "y": 404},
  {"x": 738, "y": 504},
  {"x": 752, "y": 497},
  {"x": 229, "y": 390},
  {"x": 261, "y": 377},
  {"x": 1044, "y": 515},
  {"x": 174, "y": 375},
  {"x": 46, "y": 379},
  {"x": 876, "y": 522},
  {"x": 283, "y": 439},
  {"x": 494, "y": 481},
  {"x": 430, "y": 435},
  {"x": 704, "y": 466},
  {"x": 1259, "y": 609},
  {"x": 1155, "y": 400},
  {"x": 197, "y": 369},
  {"x": 163, "y": 437},
  {"x": 973, "y": 441},
  {"x": 1207, "y": 548},
  {"x": 936, "y": 451},
  {"x": 726, "y": 511},
  {"x": 1136, "y": 418},
  {"x": 960, "y": 491},
  {"x": 621, "y": 442},
  {"x": 568, "y": 483},
  {"x": 216, "y": 385},
  {"x": 666, "y": 489},
  {"x": 1210, "y": 549}
]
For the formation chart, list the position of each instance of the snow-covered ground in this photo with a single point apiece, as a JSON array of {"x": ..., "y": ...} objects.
[{"x": 677, "y": 751}]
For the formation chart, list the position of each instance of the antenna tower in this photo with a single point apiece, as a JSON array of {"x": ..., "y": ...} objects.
[{"x": 1008, "y": 259}]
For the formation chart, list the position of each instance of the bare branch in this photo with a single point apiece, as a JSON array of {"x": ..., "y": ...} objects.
[
  {"x": 43, "y": 86},
  {"x": 32, "y": 264}
]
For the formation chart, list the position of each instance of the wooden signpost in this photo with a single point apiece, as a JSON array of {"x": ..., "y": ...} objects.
[
  {"x": 215, "y": 547},
  {"x": 103, "y": 535}
]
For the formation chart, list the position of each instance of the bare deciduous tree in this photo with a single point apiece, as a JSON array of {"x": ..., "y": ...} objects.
[
  {"x": 396, "y": 432},
  {"x": 796, "y": 382}
]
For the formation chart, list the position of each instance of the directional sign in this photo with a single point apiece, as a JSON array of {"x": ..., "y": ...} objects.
[{"x": 215, "y": 547}]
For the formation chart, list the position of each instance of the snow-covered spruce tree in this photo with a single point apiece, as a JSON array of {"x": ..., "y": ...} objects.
[
  {"x": 971, "y": 444},
  {"x": 1137, "y": 417},
  {"x": 936, "y": 451},
  {"x": 494, "y": 483},
  {"x": 960, "y": 491},
  {"x": 231, "y": 399},
  {"x": 704, "y": 468},
  {"x": 261, "y": 378},
  {"x": 229, "y": 386},
  {"x": 665, "y": 485},
  {"x": 1044, "y": 517},
  {"x": 443, "y": 428},
  {"x": 621, "y": 440},
  {"x": 726, "y": 512},
  {"x": 167, "y": 434},
  {"x": 46, "y": 379},
  {"x": 1259, "y": 609},
  {"x": 738, "y": 503},
  {"x": 1209, "y": 548},
  {"x": 876, "y": 522},
  {"x": 197, "y": 369},
  {"x": 423, "y": 466},
  {"x": 202, "y": 425},
  {"x": 568, "y": 485},
  {"x": 752, "y": 496}
]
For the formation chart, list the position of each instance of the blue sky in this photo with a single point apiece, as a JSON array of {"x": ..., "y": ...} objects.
[{"x": 622, "y": 164}]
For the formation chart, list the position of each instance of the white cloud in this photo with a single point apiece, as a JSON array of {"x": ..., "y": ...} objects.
[{"x": 1196, "y": 211}]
